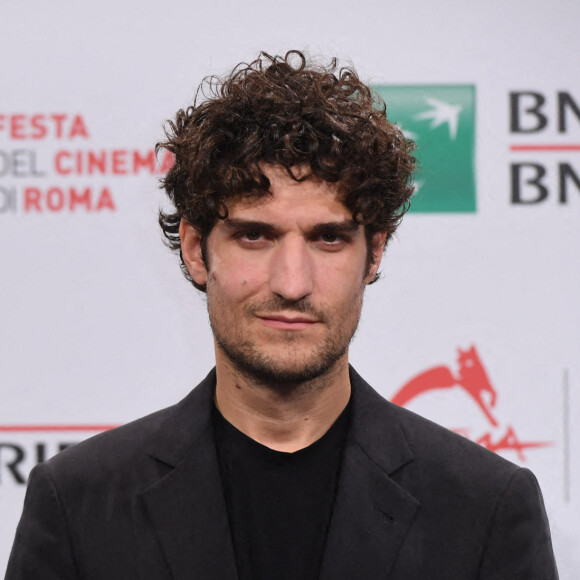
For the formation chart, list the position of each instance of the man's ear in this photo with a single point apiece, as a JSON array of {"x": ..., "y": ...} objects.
[
  {"x": 377, "y": 242},
  {"x": 191, "y": 252}
]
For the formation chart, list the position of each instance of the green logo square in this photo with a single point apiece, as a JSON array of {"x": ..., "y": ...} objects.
[{"x": 441, "y": 120}]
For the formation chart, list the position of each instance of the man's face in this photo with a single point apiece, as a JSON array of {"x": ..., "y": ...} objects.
[{"x": 285, "y": 280}]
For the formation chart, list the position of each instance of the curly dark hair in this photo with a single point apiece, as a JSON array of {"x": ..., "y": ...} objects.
[{"x": 285, "y": 111}]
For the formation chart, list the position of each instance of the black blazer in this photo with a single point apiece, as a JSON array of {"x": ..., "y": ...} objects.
[{"x": 414, "y": 502}]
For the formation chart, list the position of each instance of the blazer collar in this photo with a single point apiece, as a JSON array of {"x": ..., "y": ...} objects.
[
  {"x": 186, "y": 506},
  {"x": 371, "y": 513},
  {"x": 184, "y": 423}
]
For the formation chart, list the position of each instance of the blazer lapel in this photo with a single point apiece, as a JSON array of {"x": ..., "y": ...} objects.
[
  {"x": 372, "y": 513},
  {"x": 186, "y": 506}
]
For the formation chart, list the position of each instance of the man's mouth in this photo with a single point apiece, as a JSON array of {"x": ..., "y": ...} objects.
[{"x": 287, "y": 321}]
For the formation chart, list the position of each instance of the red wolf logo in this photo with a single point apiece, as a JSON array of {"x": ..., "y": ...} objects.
[{"x": 473, "y": 379}]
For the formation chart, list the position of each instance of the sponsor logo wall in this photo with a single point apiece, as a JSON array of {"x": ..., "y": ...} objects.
[{"x": 475, "y": 322}]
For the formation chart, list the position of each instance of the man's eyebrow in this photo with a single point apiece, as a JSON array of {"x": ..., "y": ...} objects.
[
  {"x": 237, "y": 224},
  {"x": 342, "y": 227}
]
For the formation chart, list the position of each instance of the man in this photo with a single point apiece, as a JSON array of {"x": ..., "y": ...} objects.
[{"x": 283, "y": 463}]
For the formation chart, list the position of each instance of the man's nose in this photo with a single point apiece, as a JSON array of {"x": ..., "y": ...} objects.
[{"x": 291, "y": 270}]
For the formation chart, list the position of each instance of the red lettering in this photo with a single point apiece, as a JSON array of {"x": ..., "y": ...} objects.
[
  {"x": 78, "y": 128},
  {"x": 109, "y": 162},
  {"x": 58, "y": 119},
  {"x": 41, "y": 126},
  {"x": 97, "y": 162},
  {"x": 17, "y": 127},
  {"x": 147, "y": 161},
  {"x": 106, "y": 200},
  {"x": 119, "y": 159},
  {"x": 54, "y": 199},
  {"x": 37, "y": 123},
  {"x": 58, "y": 166},
  {"x": 510, "y": 441},
  {"x": 32, "y": 199},
  {"x": 80, "y": 199}
]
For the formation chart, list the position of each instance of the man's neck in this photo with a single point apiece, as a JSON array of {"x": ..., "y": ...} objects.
[{"x": 284, "y": 420}]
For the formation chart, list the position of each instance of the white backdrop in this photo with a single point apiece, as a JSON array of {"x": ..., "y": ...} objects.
[{"x": 97, "y": 327}]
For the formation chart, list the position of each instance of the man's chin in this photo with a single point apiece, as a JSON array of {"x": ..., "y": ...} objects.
[
  {"x": 285, "y": 379},
  {"x": 281, "y": 373}
]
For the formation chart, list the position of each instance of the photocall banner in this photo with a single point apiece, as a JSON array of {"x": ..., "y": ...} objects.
[{"x": 475, "y": 322}]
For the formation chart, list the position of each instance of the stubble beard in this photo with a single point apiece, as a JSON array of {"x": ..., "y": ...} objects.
[{"x": 295, "y": 370}]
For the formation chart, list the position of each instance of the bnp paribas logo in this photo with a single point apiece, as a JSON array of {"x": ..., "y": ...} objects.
[{"x": 441, "y": 120}]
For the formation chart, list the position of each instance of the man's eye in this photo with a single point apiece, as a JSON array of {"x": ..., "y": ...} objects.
[
  {"x": 252, "y": 236},
  {"x": 331, "y": 242},
  {"x": 333, "y": 239}
]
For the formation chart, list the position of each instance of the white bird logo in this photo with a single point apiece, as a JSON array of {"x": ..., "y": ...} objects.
[{"x": 440, "y": 113}]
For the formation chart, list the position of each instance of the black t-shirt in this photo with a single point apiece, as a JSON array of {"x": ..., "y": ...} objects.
[{"x": 279, "y": 504}]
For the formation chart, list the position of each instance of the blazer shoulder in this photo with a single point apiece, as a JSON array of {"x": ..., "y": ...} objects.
[
  {"x": 110, "y": 450},
  {"x": 429, "y": 438},
  {"x": 432, "y": 453},
  {"x": 484, "y": 514}
]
